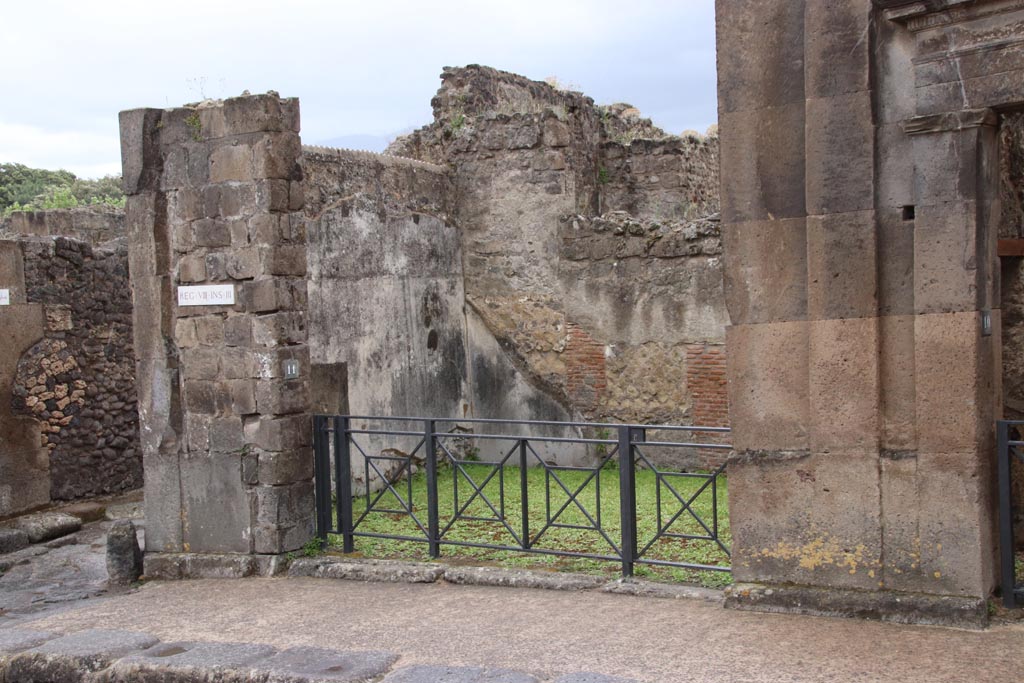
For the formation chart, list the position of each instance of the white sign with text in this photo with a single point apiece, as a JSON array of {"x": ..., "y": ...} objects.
[
  {"x": 206, "y": 295},
  {"x": 5, "y": 297}
]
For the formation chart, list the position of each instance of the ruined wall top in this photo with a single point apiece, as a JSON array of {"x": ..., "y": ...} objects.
[{"x": 92, "y": 224}]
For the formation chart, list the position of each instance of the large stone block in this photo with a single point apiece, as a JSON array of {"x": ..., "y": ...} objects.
[
  {"x": 766, "y": 270},
  {"x": 894, "y": 237},
  {"x": 286, "y": 467},
  {"x": 770, "y": 34},
  {"x": 215, "y": 504},
  {"x": 162, "y": 491},
  {"x": 841, "y": 266},
  {"x": 951, "y": 258},
  {"x": 952, "y": 165},
  {"x": 260, "y": 113},
  {"x": 762, "y": 164},
  {"x": 837, "y": 42},
  {"x": 957, "y": 543},
  {"x": 769, "y": 386},
  {"x": 839, "y": 141},
  {"x": 897, "y": 384},
  {"x": 843, "y": 382},
  {"x": 810, "y": 520},
  {"x": 955, "y": 388}
]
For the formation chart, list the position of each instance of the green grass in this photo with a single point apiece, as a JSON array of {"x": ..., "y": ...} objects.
[{"x": 569, "y": 540}]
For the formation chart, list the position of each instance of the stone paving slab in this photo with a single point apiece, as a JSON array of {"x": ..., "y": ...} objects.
[
  {"x": 320, "y": 665},
  {"x": 592, "y": 678},
  {"x": 457, "y": 674},
  {"x": 190, "y": 661},
  {"x": 13, "y": 641},
  {"x": 71, "y": 658}
]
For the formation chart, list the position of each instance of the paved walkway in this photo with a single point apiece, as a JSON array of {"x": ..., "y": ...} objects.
[{"x": 550, "y": 633}]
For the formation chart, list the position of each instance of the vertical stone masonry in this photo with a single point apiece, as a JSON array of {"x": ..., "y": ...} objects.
[
  {"x": 214, "y": 198},
  {"x": 860, "y": 206}
]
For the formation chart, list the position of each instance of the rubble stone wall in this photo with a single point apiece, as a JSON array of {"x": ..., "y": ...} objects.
[
  {"x": 79, "y": 380},
  {"x": 71, "y": 387}
]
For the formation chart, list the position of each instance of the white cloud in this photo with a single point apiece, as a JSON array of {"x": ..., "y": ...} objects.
[
  {"x": 86, "y": 154},
  {"x": 358, "y": 67}
]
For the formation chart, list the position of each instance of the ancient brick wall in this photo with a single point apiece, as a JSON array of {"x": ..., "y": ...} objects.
[{"x": 591, "y": 246}]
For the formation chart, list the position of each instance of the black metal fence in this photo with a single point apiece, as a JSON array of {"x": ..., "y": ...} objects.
[
  {"x": 497, "y": 492},
  {"x": 1008, "y": 437}
]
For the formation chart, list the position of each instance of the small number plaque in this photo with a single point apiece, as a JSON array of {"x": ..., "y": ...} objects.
[
  {"x": 206, "y": 295},
  {"x": 5, "y": 297}
]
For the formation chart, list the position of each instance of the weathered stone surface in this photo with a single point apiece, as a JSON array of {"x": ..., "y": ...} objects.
[
  {"x": 74, "y": 657},
  {"x": 769, "y": 386},
  {"x": 906, "y": 608},
  {"x": 495, "y": 576},
  {"x": 650, "y": 589},
  {"x": 317, "y": 664},
  {"x": 366, "y": 570},
  {"x": 585, "y": 677},
  {"x": 190, "y": 661},
  {"x": 47, "y": 525},
  {"x": 12, "y": 539},
  {"x": 124, "y": 556},
  {"x": 15, "y": 640},
  {"x": 457, "y": 674}
]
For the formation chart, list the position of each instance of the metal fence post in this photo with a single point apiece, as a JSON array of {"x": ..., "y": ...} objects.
[
  {"x": 343, "y": 480},
  {"x": 321, "y": 475},
  {"x": 1006, "y": 545},
  {"x": 430, "y": 458},
  {"x": 524, "y": 494},
  {"x": 627, "y": 499}
]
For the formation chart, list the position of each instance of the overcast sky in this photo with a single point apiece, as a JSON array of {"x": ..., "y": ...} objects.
[{"x": 366, "y": 68}]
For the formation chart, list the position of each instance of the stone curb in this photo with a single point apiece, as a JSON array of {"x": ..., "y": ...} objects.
[
  {"x": 366, "y": 570},
  {"x": 495, "y": 576},
  {"x": 108, "y": 656},
  {"x": 391, "y": 571}
]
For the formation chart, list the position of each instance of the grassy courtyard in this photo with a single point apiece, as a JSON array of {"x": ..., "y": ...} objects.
[{"x": 586, "y": 541}]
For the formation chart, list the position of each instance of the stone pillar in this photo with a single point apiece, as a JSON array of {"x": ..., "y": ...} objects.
[
  {"x": 214, "y": 198},
  {"x": 861, "y": 386}
]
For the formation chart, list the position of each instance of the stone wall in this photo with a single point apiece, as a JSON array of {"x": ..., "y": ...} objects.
[
  {"x": 591, "y": 248},
  {"x": 860, "y": 212},
  {"x": 92, "y": 224},
  {"x": 387, "y": 300},
  {"x": 72, "y": 387},
  {"x": 214, "y": 198}
]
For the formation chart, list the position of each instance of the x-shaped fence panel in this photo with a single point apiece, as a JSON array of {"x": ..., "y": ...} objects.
[{"x": 521, "y": 498}]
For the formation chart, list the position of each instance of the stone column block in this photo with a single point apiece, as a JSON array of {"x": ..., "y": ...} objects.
[
  {"x": 769, "y": 33},
  {"x": 769, "y": 386},
  {"x": 839, "y": 144},
  {"x": 897, "y": 384},
  {"x": 792, "y": 522},
  {"x": 843, "y": 382},
  {"x": 837, "y": 47},
  {"x": 763, "y": 164},
  {"x": 953, "y": 384},
  {"x": 841, "y": 266},
  {"x": 766, "y": 271}
]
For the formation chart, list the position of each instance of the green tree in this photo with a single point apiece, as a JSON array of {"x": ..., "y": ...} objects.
[{"x": 20, "y": 184}]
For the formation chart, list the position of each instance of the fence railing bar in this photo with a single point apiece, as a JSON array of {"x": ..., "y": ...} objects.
[{"x": 622, "y": 447}]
